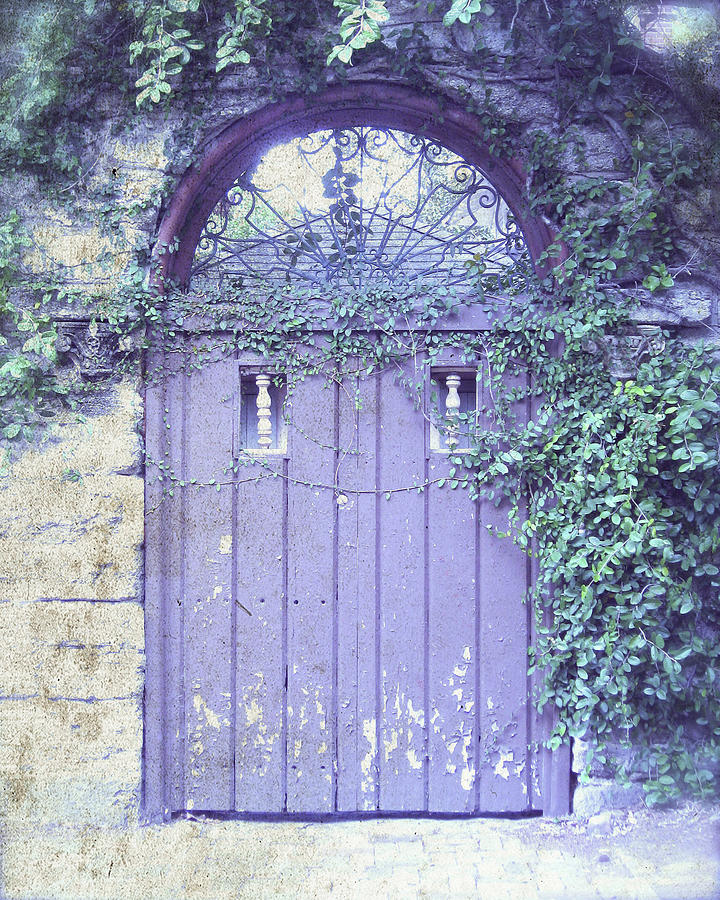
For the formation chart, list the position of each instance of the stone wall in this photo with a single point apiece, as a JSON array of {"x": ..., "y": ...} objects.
[{"x": 71, "y": 606}]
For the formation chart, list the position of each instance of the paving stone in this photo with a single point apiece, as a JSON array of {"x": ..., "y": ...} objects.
[
  {"x": 600, "y": 823},
  {"x": 654, "y": 856}
]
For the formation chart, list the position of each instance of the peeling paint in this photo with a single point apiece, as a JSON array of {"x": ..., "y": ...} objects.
[
  {"x": 416, "y": 715},
  {"x": 255, "y": 733},
  {"x": 412, "y": 756},
  {"x": 501, "y": 769},
  {"x": 304, "y": 720},
  {"x": 226, "y": 544},
  {"x": 367, "y": 763},
  {"x": 320, "y": 710},
  {"x": 392, "y": 744},
  {"x": 201, "y": 707},
  {"x": 467, "y": 778},
  {"x": 433, "y": 719},
  {"x": 253, "y": 712}
]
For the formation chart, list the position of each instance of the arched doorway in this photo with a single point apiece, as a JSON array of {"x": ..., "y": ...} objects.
[{"x": 332, "y": 628}]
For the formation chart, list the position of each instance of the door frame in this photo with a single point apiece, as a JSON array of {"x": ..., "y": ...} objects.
[{"x": 222, "y": 158}]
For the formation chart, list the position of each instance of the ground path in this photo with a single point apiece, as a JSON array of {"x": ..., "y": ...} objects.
[{"x": 670, "y": 855}]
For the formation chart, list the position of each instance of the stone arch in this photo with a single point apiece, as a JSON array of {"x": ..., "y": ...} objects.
[{"x": 243, "y": 142}]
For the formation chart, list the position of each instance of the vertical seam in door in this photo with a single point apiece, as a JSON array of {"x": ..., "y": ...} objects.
[
  {"x": 478, "y": 604},
  {"x": 378, "y": 591},
  {"x": 166, "y": 612},
  {"x": 426, "y": 602},
  {"x": 336, "y": 537},
  {"x": 528, "y": 637},
  {"x": 356, "y": 718},
  {"x": 478, "y": 680},
  {"x": 235, "y": 443},
  {"x": 183, "y": 519},
  {"x": 284, "y": 670}
]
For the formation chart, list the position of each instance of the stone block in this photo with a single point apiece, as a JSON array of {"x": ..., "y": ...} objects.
[
  {"x": 61, "y": 244},
  {"x": 518, "y": 102},
  {"x": 601, "y": 153},
  {"x": 104, "y": 444},
  {"x": 598, "y": 795},
  {"x": 72, "y": 649},
  {"x": 72, "y": 539},
  {"x": 70, "y": 761}
]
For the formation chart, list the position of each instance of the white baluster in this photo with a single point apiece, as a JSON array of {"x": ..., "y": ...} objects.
[
  {"x": 263, "y": 411},
  {"x": 452, "y": 407}
]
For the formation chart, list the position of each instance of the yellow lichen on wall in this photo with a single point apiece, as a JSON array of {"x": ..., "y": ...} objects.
[
  {"x": 72, "y": 670},
  {"x": 149, "y": 153},
  {"x": 72, "y": 520},
  {"x": 80, "y": 252},
  {"x": 143, "y": 164}
]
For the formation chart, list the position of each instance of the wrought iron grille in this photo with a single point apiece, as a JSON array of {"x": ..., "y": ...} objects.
[{"x": 357, "y": 204}]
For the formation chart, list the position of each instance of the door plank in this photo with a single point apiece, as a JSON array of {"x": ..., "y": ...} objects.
[
  {"x": 452, "y": 656},
  {"x": 164, "y": 744},
  {"x": 401, "y": 547},
  {"x": 311, "y": 598},
  {"x": 503, "y": 670},
  {"x": 357, "y": 785},
  {"x": 504, "y": 760},
  {"x": 259, "y": 541},
  {"x": 208, "y": 617}
]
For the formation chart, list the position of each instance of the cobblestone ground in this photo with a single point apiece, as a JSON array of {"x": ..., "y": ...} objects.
[{"x": 637, "y": 856}]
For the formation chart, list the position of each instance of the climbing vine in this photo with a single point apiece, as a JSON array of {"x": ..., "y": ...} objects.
[{"x": 612, "y": 485}]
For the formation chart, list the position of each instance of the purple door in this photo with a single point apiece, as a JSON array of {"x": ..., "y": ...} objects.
[{"x": 330, "y": 630}]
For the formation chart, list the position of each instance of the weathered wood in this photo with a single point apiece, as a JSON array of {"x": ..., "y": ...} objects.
[
  {"x": 164, "y": 574},
  {"x": 503, "y": 762},
  {"x": 401, "y": 546},
  {"x": 332, "y": 641},
  {"x": 259, "y": 538},
  {"x": 357, "y": 787},
  {"x": 452, "y": 650},
  {"x": 156, "y": 685},
  {"x": 208, "y": 584},
  {"x": 312, "y": 581}
]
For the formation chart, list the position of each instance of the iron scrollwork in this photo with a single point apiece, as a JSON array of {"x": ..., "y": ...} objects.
[{"x": 359, "y": 203}]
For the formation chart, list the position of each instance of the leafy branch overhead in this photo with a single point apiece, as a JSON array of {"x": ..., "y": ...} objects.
[
  {"x": 251, "y": 18},
  {"x": 360, "y": 26},
  {"x": 463, "y": 11},
  {"x": 166, "y": 43}
]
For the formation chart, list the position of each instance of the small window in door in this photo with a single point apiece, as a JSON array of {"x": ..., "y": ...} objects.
[
  {"x": 263, "y": 428},
  {"x": 453, "y": 409}
]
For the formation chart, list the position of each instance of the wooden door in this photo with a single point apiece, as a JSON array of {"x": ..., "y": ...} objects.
[{"x": 337, "y": 632}]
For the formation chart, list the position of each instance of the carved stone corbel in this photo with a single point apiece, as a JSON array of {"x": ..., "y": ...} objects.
[
  {"x": 624, "y": 352},
  {"x": 93, "y": 347}
]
